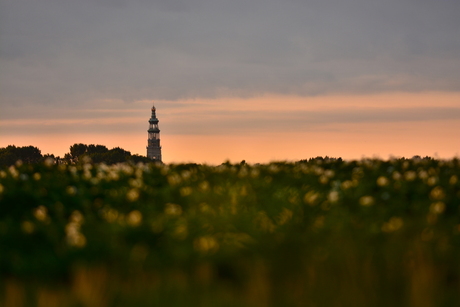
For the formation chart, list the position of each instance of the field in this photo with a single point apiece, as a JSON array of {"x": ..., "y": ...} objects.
[{"x": 323, "y": 232}]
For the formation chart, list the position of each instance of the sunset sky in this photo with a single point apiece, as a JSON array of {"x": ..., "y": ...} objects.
[{"x": 258, "y": 80}]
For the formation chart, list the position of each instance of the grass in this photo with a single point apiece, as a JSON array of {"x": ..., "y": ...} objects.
[{"x": 313, "y": 233}]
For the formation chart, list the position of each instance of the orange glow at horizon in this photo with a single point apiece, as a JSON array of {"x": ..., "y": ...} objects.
[
  {"x": 355, "y": 141},
  {"x": 349, "y": 140}
]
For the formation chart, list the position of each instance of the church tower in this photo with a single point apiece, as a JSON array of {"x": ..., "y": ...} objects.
[{"x": 154, "y": 148}]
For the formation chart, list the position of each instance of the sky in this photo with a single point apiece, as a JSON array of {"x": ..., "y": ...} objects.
[{"x": 254, "y": 80}]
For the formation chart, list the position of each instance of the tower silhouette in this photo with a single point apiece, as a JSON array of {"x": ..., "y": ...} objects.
[{"x": 153, "y": 143}]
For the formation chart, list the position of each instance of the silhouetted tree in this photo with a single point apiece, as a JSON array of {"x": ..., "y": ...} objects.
[
  {"x": 76, "y": 151},
  {"x": 100, "y": 153},
  {"x": 139, "y": 158},
  {"x": 117, "y": 155},
  {"x": 27, "y": 154},
  {"x": 96, "y": 149}
]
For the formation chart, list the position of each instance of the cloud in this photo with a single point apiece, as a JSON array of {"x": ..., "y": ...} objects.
[
  {"x": 72, "y": 52},
  {"x": 212, "y": 119}
]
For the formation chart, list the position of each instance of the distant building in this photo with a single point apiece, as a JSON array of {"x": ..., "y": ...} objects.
[{"x": 153, "y": 143}]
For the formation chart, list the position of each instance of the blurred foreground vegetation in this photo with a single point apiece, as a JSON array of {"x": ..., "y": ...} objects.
[{"x": 323, "y": 232}]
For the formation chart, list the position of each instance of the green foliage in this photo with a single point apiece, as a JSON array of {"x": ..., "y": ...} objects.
[
  {"x": 93, "y": 149},
  {"x": 101, "y": 154},
  {"x": 78, "y": 150},
  {"x": 322, "y": 232},
  {"x": 27, "y": 154},
  {"x": 78, "y": 153}
]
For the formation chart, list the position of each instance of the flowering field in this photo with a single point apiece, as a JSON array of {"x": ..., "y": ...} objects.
[{"x": 323, "y": 232}]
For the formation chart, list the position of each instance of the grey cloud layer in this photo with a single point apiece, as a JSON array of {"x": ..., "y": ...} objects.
[
  {"x": 224, "y": 122},
  {"x": 73, "y": 51}
]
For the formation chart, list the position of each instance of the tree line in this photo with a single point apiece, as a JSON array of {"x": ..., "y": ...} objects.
[{"x": 78, "y": 153}]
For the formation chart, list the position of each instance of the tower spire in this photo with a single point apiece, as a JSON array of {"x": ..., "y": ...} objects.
[{"x": 153, "y": 142}]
